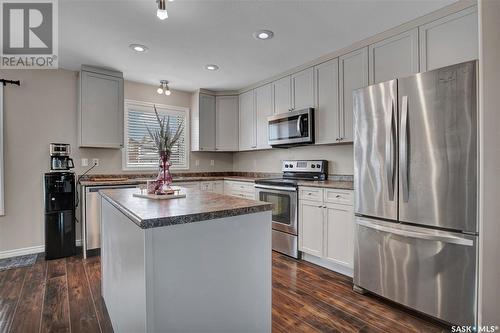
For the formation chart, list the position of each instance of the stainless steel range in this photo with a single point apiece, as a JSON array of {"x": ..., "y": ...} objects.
[{"x": 283, "y": 194}]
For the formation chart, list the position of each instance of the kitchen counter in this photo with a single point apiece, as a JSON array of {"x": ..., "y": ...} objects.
[
  {"x": 177, "y": 275},
  {"x": 336, "y": 184},
  {"x": 196, "y": 206},
  {"x": 137, "y": 181}
]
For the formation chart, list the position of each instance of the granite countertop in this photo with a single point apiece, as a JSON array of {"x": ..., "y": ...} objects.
[
  {"x": 137, "y": 181},
  {"x": 337, "y": 184},
  {"x": 196, "y": 206},
  {"x": 342, "y": 185}
]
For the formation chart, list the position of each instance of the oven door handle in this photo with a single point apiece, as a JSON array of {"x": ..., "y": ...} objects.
[{"x": 277, "y": 188}]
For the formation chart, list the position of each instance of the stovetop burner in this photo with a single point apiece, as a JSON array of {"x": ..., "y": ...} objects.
[{"x": 294, "y": 171}]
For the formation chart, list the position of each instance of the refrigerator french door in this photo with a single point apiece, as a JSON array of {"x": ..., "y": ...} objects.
[{"x": 415, "y": 150}]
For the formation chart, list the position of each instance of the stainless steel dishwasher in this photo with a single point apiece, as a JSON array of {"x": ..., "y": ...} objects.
[{"x": 91, "y": 215}]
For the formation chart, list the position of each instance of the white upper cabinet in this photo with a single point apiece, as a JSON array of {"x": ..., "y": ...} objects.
[
  {"x": 353, "y": 74},
  {"x": 449, "y": 40},
  {"x": 264, "y": 109},
  {"x": 247, "y": 123},
  {"x": 203, "y": 123},
  {"x": 394, "y": 57},
  {"x": 282, "y": 93},
  {"x": 303, "y": 89},
  {"x": 100, "y": 108},
  {"x": 326, "y": 113},
  {"x": 226, "y": 129}
]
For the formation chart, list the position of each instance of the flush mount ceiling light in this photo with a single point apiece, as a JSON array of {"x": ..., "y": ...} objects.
[
  {"x": 211, "y": 67},
  {"x": 263, "y": 34},
  {"x": 163, "y": 88},
  {"x": 162, "y": 9},
  {"x": 139, "y": 48}
]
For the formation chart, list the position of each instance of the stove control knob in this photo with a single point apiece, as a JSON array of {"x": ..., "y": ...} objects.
[
  {"x": 313, "y": 166},
  {"x": 290, "y": 166},
  {"x": 318, "y": 166}
]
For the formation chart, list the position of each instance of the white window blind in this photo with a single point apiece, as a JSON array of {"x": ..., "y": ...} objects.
[{"x": 140, "y": 152}]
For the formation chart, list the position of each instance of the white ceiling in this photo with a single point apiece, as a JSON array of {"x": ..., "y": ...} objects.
[{"x": 219, "y": 32}]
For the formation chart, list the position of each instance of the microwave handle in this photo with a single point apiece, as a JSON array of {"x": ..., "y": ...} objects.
[{"x": 299, "y": 125}]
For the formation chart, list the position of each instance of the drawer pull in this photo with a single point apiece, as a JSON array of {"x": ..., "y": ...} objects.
[{"x": 337, "y": 196}]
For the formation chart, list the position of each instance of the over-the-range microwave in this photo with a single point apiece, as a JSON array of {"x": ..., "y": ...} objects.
[{"x": 291, "y": 129}]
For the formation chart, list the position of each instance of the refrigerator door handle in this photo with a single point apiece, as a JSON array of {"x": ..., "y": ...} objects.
[
  {"x": 415, "y": 234},
  {"x": 389, "y": 153},
  {"x": 404, "y": 148}
]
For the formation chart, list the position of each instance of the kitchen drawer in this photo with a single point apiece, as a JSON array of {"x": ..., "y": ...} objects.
[
  {"x": 235, "y": 186},
  {"x": 190, "y": 185},
  {"x": 343, "y": 197},
  {"x": 250, "y": 196},
  {"x": 311, "y": 193},
  {"x": 207, "y": 186},
  {"x": 212, "y": 186}
]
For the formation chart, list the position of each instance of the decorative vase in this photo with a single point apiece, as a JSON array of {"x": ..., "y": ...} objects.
[{"x": 164, "y": 178}]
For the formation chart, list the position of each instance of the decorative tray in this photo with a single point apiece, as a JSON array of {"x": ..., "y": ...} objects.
[
  {"x": 160, "y": 197},
  {"x": 178, "y": 193}
]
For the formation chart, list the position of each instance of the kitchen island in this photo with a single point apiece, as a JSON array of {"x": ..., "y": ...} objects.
[{"x": 195, "y": 264}]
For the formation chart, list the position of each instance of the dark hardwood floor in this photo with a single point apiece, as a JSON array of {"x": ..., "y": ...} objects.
[{"x": 64, "y": 296}]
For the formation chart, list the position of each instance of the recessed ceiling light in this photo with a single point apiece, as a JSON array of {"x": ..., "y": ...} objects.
[
  {"x": 263, "y": 34},
  {"x": 211, "y": 67},
  {"x": 138, "y": 48}
]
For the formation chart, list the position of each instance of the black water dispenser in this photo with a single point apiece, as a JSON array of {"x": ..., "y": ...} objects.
[{"x": 59, "y": 215}]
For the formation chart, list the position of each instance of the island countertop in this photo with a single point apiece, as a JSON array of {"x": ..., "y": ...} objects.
[{"x": 196, "y": 206}]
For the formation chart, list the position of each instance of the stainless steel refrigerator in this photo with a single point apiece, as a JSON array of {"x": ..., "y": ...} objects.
[{"x": 415, "y": 153}]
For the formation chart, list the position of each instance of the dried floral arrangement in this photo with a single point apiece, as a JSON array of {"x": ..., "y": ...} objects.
[{"x": 162, "y": 138}]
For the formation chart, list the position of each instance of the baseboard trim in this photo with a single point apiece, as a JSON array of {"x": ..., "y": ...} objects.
[
  {"x": 28, "y": 250},
  {"x": 22, "y": 251},
  {"x": 328, "y": 264}
]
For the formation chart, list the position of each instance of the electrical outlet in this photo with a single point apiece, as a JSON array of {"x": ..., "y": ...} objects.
[
  {"x": 85, "y": 162},
  {"x": 212, "y": 162},
  {"x": 95, "y": 161},
  {"x": 197, "y": 163}
]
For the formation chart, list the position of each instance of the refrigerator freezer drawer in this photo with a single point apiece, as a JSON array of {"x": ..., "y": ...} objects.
[{"x": 431, "y": 271}]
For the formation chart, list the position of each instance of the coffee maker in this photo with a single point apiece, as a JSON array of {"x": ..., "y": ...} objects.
[{"x": 59, "y": 157}]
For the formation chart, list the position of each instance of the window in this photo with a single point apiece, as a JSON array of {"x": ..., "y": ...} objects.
[{"x": 139, "y": 152}]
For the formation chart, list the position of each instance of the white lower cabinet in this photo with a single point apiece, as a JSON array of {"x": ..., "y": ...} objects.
[
  {"x": 212, "y": 186},
  {"x": 339, "y": 234},
  {"x": 239, "y": 189},
  {"x": 326, "y": 228},
  {"x": 311, "y": 228}
]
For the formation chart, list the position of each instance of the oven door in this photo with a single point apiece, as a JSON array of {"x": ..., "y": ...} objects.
[
  {"x": 284, "y": 200},
  {"x": 291, "y": 128}
]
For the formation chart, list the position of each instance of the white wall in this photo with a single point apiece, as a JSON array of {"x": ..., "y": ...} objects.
[
  {"x": 489, "y": 58},
  {"x": 340, "y": 158},
  {"x": 43, "y": 110}
]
